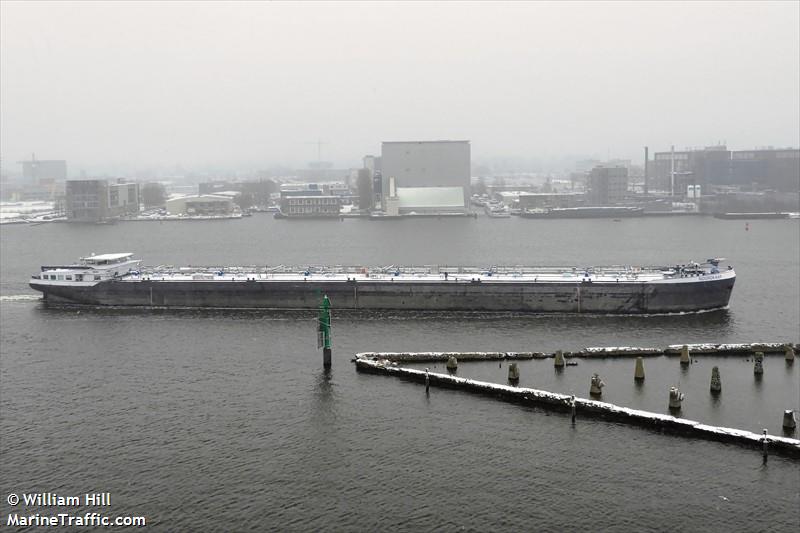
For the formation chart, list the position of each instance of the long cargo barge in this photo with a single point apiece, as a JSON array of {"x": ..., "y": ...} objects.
[
  {"x": 119, "y": 280},
  {"x": 584, "y": 212}
]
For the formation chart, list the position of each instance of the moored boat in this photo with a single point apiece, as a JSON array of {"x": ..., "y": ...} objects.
[
  {"x": 584, "y": 212},
  {"x": 497, "y": 210}
]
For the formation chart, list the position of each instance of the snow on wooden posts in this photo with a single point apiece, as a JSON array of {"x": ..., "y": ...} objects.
[
  {"x": 708, "y": 348},
  {"x": 431, "y": 357},
  {"x": 594, "y": 352}
]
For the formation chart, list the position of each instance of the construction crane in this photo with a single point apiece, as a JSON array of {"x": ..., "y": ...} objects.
[{"x": 319, "y": 144}]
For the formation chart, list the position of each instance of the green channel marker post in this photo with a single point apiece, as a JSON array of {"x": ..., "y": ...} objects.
[{"x": 324, "y": 331}]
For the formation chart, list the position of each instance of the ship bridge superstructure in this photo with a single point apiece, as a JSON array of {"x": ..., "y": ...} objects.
[{"x": 89, "y": 270}]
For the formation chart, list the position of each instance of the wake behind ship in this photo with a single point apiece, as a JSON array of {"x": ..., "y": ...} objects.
[{"x": 117, "y": 279}]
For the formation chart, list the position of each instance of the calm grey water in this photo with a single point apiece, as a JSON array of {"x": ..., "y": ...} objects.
[{"x": 224, "y": 421}]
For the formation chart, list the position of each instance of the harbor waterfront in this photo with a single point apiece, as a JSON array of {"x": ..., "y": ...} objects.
[{"x": 226, "y": 419}]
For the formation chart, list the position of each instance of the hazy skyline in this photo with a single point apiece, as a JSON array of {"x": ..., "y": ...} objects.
[{"x": 136, "y": 85}]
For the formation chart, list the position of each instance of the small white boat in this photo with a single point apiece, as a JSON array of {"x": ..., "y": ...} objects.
[{"x": 497, "y": 210}]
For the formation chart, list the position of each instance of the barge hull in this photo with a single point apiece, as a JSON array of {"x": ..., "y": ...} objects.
[{"x": 566, "y": 297}]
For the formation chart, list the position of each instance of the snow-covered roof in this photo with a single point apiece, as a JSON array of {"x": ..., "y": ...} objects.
[{"x": 108, "y": 257}]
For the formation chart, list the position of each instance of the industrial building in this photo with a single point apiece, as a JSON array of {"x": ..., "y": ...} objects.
[
  {"x": 123, "y": 198},
  {"x": 201, "y": 205},
  {"x": 86, "y": 200},
  {"x": 716, "y": 167},
  {"x": 437, "y": 171},
  {"x": 773, "y": 169},
  {"x": 423, "y": 200}
]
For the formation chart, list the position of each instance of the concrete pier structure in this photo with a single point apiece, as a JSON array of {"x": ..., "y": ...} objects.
[
  {"x": 696, "y": 350},
  {"x": 589, "y": 408},
  {"x": 513, "y": 373},
  {"x": 558, "y": 359}
]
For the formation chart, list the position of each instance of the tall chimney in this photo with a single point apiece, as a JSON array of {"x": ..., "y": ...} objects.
[{"x": 645, "y": 170}]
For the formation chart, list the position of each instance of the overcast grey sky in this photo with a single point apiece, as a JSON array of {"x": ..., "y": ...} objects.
[{"x": 249, "y": 84}]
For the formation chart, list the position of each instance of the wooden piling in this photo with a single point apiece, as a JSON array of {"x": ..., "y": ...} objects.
[
  {"x": 638, "y": 372},
  {"x": 572, "y": 407},
  {"x": 685, "y": 360},
  {"x": 596, "y": 386},
  {"x": 716, "y": 381},
  {"x": 675, "y": 398},
  {"x": 789, "y": 421},
  {"x": 758, "y": 364},
  {"x": 452, "y": 364}
]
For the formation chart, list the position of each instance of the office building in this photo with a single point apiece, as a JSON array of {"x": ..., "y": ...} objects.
[{"x": 607, "y": 186}]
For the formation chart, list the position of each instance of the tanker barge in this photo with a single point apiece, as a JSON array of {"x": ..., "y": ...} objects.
[{"x": 119, "y": 280}]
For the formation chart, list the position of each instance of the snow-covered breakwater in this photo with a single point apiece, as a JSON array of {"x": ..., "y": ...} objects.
[
  {"x": 599, "y": 352},
  {"x": 583, "y": 407}
]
